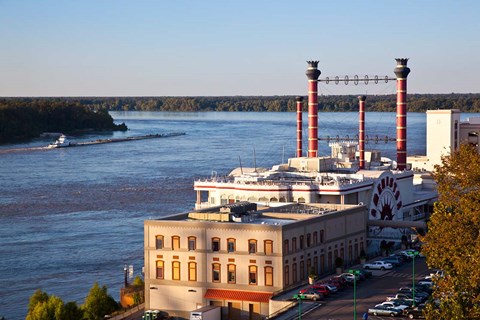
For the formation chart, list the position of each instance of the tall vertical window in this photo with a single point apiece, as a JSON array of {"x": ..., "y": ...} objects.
[
  {"x": 315, "y": 238},
  {"x": 231, "y": 245},
  {"x": 231, "y": 273},
  {"x": 252, "y": 246},
  {"x": 215, "y": 244},
  {"x": 285, "y": 246},
  {"x": 302, "y": 242},
  {"x": 175, "y": 242},
  {"x": 268, "y": 244},
  {"x": 286, "y": 277},
  {"x": 309, "y": 240},
  {"x": 322, "y": 236},
  {"x": 176, "y": 270},
  {"x": 252, "y": 275},
  {"x": 192, "y": 271},
  {"x": 294, "y": 272},
  {"x": 302, "y": 270},
  {"x": 160, "y": 270},
  {"x": 294, "y": 244},
  {"x": 192, "y": 243},
  {"x": 159, "y": 242},
  {"x": 269, "y": 276},
  {"x": 216, "y": 272}
]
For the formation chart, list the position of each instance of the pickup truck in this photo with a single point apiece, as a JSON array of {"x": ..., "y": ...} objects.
[{"x": 380, "y": 265}]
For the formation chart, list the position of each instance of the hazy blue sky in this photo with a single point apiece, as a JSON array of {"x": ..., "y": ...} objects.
[{"x": 250, "y": 47}]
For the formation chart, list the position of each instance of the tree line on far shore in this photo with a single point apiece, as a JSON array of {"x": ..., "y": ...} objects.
[{"x": 27, "y": 117}]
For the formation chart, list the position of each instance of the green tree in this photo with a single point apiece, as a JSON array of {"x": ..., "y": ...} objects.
[
  {"x": 51, "y": 308},
  {"x": 453, "y": 239},
  {"x": 98, "y": 303}
]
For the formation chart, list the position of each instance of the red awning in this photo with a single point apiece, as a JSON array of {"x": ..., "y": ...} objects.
[{"x": 238, "y": 295}]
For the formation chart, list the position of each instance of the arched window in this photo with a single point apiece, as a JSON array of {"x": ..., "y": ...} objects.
[
  {"x": 294, "y": 244},
  {"x": 192, "y": 243},
  {"x": 286, "y": 277},
  {"x": 322, "y": 236},
  {"x": 176, "y": 270},
  {"x": 215, "y": 244},
  {"x": 252, "y": 275},
  {"x": 301, "y": 200},
  {"x": 286, "y": 246},
  {"x": 231, "y": 245},
  {"x": 252, "y": 246},
  {"x": 216, "y": 272},
  {"x": 175, "y": 242},
  {"x": 192, "y": 271},
  {"x": 159, "y": 242},
  {"x": 160, "y": 269},
  {"x": 273, "y": 199},
  {"x": 269, "y": 276},
  {"x": 268, "y": 246},
  {"x": 231, "y": 273}
]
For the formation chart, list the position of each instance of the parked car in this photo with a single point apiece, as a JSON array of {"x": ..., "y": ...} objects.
[
  {"x": 418, "y": 292},
  {"x": 310, "y": 295},
  {"x": 317, "y": 288},
  {"x": 414, "y": 312},
  {"x": 366, "y": 274},
  {"x": 379, "y": 265},
  {"x": 406, "y": 297},
  {"x": 340, "y": 283},
  {"x": 395, "y": 261},
  {"x": 428, "y": 288},
  {"x": 393, "y": 304},
  {"x": 350, "y": 277},
  {"x": 402, "y": 302},
  {"x": 384, "y": 311}
]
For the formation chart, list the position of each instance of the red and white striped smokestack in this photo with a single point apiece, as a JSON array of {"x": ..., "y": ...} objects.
[
  {"x": 361, "y": 130},
  {"x": 401, "y": 71},
  {"x": 312, "y": 74},
  {"x": 299, "y": 125}
]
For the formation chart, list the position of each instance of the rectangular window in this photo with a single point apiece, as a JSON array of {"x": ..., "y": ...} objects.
[
  {"x": 252, "y": 275},
  {"x": 192, "y": 243},
  {"x": 176, "y": 270},
  {"x": 294, "y": 244},
  {"x": 285, "y": 246},
  {"x": 192, "y": 271},
  {"x": 315, "y": 237},
  {"x": 269, "y": 276},
  {"x": 160, "y": 270},
  {"x": 215, "y": 244},
  {"x": 302, "y": 244},
  {"x": 231, "y": 245},
  {"x": 286, "y": 277},
  {"x": 231, "y": 275},
  {"x": 268, "y": 246},
  {"x": 212, "y": 200},
  {"x": 252, "y": 246},
  {"x": 216, "y": 272},
  {"x": 175, "y": 242},
  {"x": 159, "y": 242},
  {"x": 309, "y": 240},
  {"x": 302, "y": 270},
  {"x": 322, "y": 236}
]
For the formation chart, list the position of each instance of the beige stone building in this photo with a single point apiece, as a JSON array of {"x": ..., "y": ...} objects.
[{"x": 238, "y": 257}]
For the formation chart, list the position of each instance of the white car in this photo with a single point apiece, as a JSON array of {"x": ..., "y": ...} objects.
[
  {"x": 393, "y": 304},
  {"x": 379, "y": 265}
]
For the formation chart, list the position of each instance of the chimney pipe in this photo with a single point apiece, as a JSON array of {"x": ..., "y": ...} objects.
[
  {"x": 312, "y": 74},
  {"x": 299, "y": 125},
  {"x": 361, "y": 130},
  {"x": 401, "y": 72}
]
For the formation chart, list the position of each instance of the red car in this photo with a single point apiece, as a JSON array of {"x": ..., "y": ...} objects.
[{"x": 317, "y": 288}]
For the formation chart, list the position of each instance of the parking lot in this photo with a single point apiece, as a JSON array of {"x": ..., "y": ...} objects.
[{"x": 369, "y": 293}]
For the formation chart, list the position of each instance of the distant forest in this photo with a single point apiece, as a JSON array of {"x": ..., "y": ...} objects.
[
  {"x": 28, "y": 117},
  {"x": 383, "y": 103}
]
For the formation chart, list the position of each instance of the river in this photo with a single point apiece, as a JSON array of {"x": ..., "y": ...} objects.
[{"x": 73, "y": 216}]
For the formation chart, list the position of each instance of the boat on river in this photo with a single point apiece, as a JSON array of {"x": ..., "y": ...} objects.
[{"x": 61, "y": 142}]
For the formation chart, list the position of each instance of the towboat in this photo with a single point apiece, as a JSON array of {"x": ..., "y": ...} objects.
[{"x": 61, "y": 142}]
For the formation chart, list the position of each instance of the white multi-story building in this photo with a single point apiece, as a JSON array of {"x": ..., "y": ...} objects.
[{"x": 238, "y": 257}]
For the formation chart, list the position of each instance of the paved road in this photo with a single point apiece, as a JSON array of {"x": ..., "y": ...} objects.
[{"x": 369, "y": 293}]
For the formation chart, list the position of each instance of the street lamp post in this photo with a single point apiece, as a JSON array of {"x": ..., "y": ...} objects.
[
  {"x": 355, "y": 274},
  {"x": 414, "y": 254},
  {"x": 299, "y": 298}
]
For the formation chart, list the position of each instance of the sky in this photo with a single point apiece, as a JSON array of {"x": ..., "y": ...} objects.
[{"x": 229, "y": 48}]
